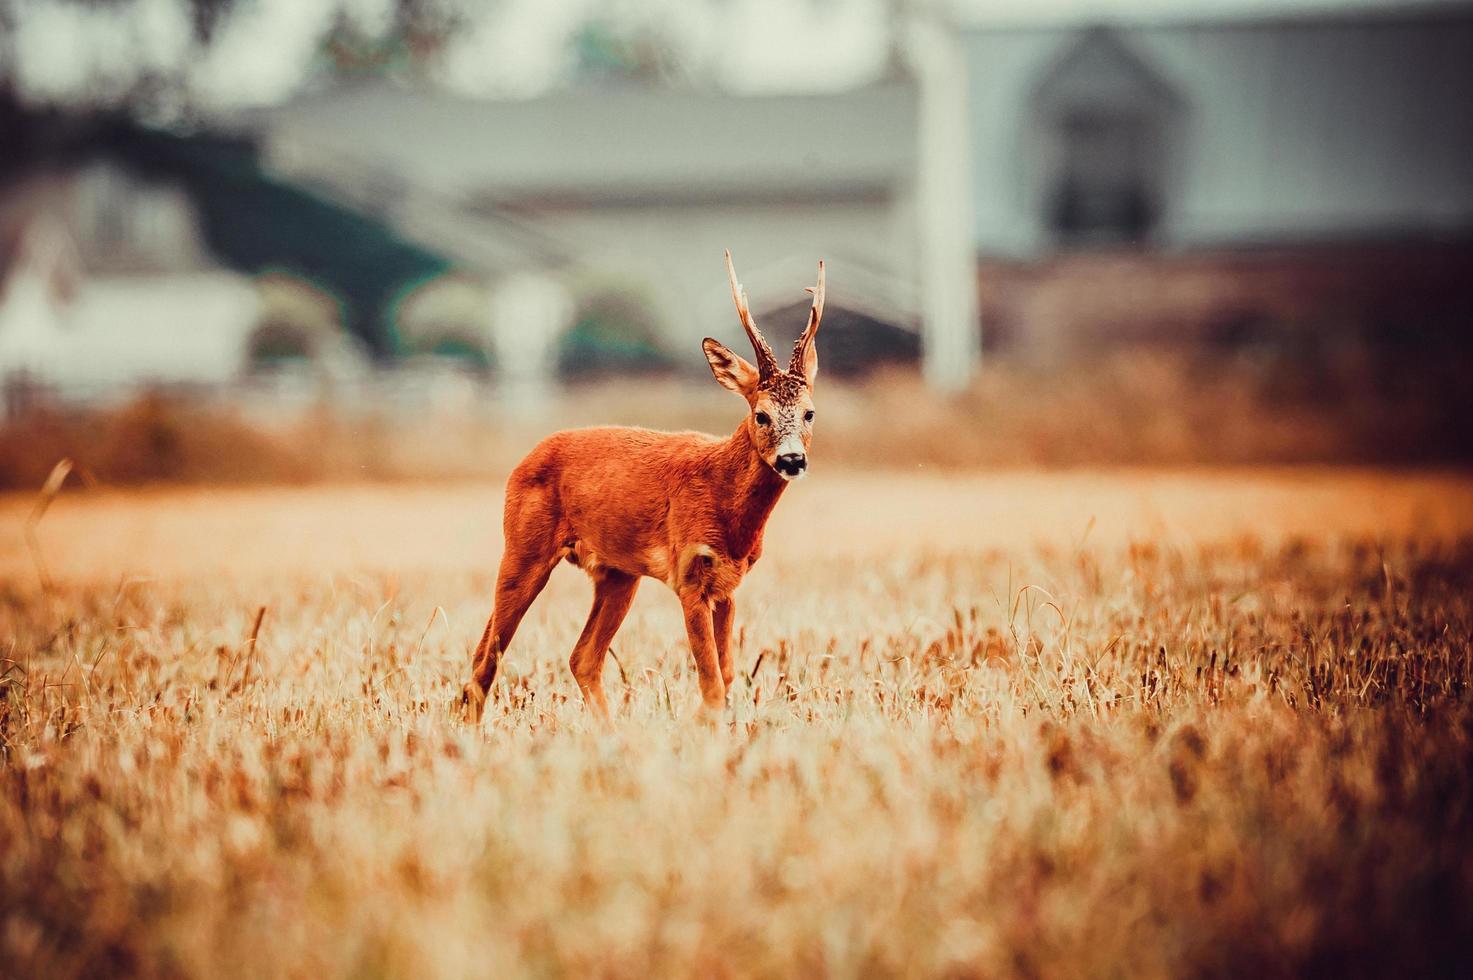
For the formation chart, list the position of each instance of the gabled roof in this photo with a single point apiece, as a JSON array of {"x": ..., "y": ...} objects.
[
  {"x": 1099, "y": 67},
  {"x": 624, "y": 143}
]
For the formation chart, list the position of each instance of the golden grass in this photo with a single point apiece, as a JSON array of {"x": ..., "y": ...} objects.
[{"x": 1149, "y": 725}]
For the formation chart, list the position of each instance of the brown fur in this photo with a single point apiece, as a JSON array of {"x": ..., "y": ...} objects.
[{"x": 623, "y": 504}]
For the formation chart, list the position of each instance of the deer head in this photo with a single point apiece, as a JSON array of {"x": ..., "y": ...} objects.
[{"x": 781, "y": 402}]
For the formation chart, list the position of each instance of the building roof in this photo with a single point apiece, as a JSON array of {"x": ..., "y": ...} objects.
[
  {"x": 623, "y": 143},
  {"x": 1008, "y": 15},
  {"x": 1098, "y": 68}
]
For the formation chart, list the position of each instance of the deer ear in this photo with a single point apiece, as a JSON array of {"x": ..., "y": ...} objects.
[{"x": 731, "y": 370}]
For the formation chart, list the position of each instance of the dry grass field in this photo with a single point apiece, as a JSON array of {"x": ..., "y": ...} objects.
[{"x": 1141, "y": 724}]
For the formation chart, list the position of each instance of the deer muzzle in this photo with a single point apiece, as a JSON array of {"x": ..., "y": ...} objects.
[{"x": 791, "y": 466}]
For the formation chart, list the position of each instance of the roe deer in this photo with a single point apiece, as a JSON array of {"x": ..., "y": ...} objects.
[{"x": 685, "y": 508}]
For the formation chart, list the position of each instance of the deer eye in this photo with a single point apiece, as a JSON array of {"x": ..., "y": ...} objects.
[
  {"x": 763, "y": 418},
  {"x": 808, "y": 415}
]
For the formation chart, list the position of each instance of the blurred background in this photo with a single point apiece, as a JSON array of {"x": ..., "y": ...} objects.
[{"x": 327, "y": 239}]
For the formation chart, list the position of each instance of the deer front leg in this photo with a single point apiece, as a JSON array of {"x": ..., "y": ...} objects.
[
  {"x": 699, "y": 628},
  {"x": 722, "y": 615}
]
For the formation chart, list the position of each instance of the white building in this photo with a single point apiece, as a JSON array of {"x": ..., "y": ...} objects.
[
  {"x": 1004, "y": 140},
  {"x": 1210, "y": 130},
  {"x": 645, "y": 186},
  {"x": 106, "y": 288}
]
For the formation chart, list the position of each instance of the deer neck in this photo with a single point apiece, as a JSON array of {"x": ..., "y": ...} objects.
[{"x": 755, "y": 489}]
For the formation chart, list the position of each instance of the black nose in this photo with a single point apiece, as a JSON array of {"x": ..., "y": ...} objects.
[{"x": 791, "y": 464}]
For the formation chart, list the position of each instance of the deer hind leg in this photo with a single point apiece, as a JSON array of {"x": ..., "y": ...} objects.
[
  {"x": 699, "y": 629},
  {"x": 532, "y": 552},
  {"x": 722, "y": 615},
  {"x": 613, "y": 592}
]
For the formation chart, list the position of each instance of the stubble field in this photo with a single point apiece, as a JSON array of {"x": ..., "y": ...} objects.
[{"x": 1136, "y": 724}]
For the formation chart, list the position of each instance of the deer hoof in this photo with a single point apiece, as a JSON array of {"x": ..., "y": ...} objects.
[
  {"x": 471, "y": 703},
  {"x": 712, "y": 716}
]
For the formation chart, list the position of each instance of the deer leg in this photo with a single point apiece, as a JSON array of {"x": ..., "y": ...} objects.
[
  {"x": 518, "y": 583},
  {"x": 722, "y": 615},
  {"x": 699, "y": 628},
  {"x": 531, "y": 555},
  {"x": 613, "y": 591}
]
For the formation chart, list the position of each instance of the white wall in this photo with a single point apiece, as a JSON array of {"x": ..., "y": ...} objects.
[{"x": 121, "y": 332}]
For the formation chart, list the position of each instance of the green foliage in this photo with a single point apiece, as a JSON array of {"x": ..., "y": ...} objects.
[{"x": 612, "y": 335}]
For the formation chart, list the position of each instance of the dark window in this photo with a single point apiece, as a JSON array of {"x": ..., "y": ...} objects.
[{"x": 1104, "y": 189}]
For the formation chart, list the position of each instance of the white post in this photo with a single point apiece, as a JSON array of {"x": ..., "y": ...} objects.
[
  {"x": 32, "y": 338},
  {"x": 950, "y": 338},
  {"x": 528, "y": 312}
]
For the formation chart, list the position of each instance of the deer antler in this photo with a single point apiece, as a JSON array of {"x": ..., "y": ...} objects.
[
  {"x": 815, "y": 315},
  {"x": 766, "y": 362}
]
